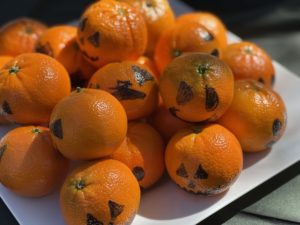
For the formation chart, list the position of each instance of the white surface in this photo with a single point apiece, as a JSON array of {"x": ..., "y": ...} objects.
[{"x": 168, "y": 204}]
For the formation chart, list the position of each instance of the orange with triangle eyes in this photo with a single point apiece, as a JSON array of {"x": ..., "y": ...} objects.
[{"x": 100, "y": 192}]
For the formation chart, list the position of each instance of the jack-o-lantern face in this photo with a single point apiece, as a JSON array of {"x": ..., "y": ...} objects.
[{"x": 204, "y": 161}]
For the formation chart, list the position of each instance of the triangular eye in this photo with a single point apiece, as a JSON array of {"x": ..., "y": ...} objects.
[
  {"x": 200, "y": 173},
  {"x": 91, "y": 220},
  {"x": 181, "y": 171},
  {"x": 212, "y": 99},
  {"x": 276, "y": 126},
  {"x": 141, "y": 76},
  {"x": 115, "y": 209},
  {"x": 2, "y": 150},
  {"x": 184, "y": 93},
  {"x": 56, "y": 128},
  {"x": 6, "y": 108}
]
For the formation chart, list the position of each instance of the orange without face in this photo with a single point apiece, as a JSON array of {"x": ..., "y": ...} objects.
[
  {"x": 20, "y": 36},
  {"x": 147, "y": 62},
  {"x": 60, "y": 43},
  {"x": 197, "y": 87},
  {"x": 165, "y": 123},
  {"x": 88, "y": 124},
  {"x": 101, "y": 192},
  {"x": 29, "y": 164},
  {"x": 30, "y": 86},
  {"x": 158, "y": 16},
  {"x": 143, "y": 152},
  {"x": 257, "y": 116},
  {"x": 248, "y": 61},
  {"x": 204, "y": 160},
  {"x": 132, "y": 84},
  {"x": 3, "y": 61},
  {"x": 182, "y": 38},
  {"x": 112, "y": 31},
  {"x": 209, "y": 21}
]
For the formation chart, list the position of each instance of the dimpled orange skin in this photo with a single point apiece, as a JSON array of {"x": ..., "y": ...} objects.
[
  {"x": 158, "y": 16},
  {"x": 30, "y": 165},
  {"x": 88, "y": 124},
  {"x": 204, "y": 160},
  {"x": 257, "y": 116},
  {"x": 211, "y": 22},
  {"x": 165, "y": 123},
  {"x": 143, "y": 152},
  {"x": 248, "y": 61},
  {"x": 30, "y": 86},
  {"x": 197, "y": 87},
  {"x": 60, "y": 43},
  {"x": 147, "y": 62},
  {"x": 100, "y": 192},
  {"x": 3, "y": 61},
  {"x": 111, "y": 31},
  {"x": 132, "y": 84},
  {"x": 182, "y": 38},
  {"x": 20, "y": 36}
]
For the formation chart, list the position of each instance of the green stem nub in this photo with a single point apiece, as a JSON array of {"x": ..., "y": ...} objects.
[
  {"x": 78, "y": 89},
  {"x": 202, "y": 69},
  {"x": 79, "y": 184},
  {"x": 14, "y": 69},
  {"x": 175, "y": 53},
  {"x": 36, "y": 131}
]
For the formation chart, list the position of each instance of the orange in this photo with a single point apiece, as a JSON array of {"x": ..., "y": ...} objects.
[
  {"x": 143, "y": 152},
  {"x": 132, "y": 84},
  {"x": 165, "y": 123},
  {"x": 248, "y": 61},
  {"x": 20, "y": 36},
  {"x": 88, "y": 124},
  {"x": 3, "y": 61},
  {"x": 100, "y": 192},
  {"x": 257, "y": 116},
  {"x": 209, "y": 21},
  {"x": 158, "y": 16},
  {"x": 112, "y": 31},
  {"x": 146, "y": 61},
  {"x": 60, "y": 42},
  {"x": 197, "y": 87},
  {"x": 204, "y": 160},
  {"x": 181, "y": 38},
  {"x": 30, "y": 86},
  {"x": 29, "y": 164}
]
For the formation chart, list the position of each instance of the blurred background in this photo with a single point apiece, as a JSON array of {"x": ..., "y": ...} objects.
[{"x": 272, "y": 24}]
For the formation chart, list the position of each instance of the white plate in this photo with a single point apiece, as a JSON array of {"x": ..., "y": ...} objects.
[{"x": 168, "y": 204}]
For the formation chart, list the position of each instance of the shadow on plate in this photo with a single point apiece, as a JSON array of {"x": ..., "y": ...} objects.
[
  {"x": 168, "y": 201},
  {"x": 251, "y": 158}
]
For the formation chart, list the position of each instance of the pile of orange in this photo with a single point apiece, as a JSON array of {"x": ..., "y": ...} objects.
[{"x": 150, "y": 91}]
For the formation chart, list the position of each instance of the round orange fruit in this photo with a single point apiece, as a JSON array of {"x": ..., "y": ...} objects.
[
  {"x": 204, "y": 160},
  {"x": 248, "y": 61},
  {"x": 3, "y": 61},
  {"x": 30, "y": 86},
  {"x": 257, "y": 116},
  {"x": 29, "y": 164},
  {"x": 182, "y": 38},
  {"x": 165, "y": 123},
  {"x": 88, "y": 124},
  {"x": 100, "y": 192},
  {"x": 60, "y": 43},
  {"x": 158, "y": 16},
  {"x": 132, "y": 84},
  {"x": 143, "y": 152},
  {"x": 197, "y": 87},
  {"x": 112, "y": 31},
  {"x": 209, "y": 21},
  {"x": 20, "y": 36}
]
